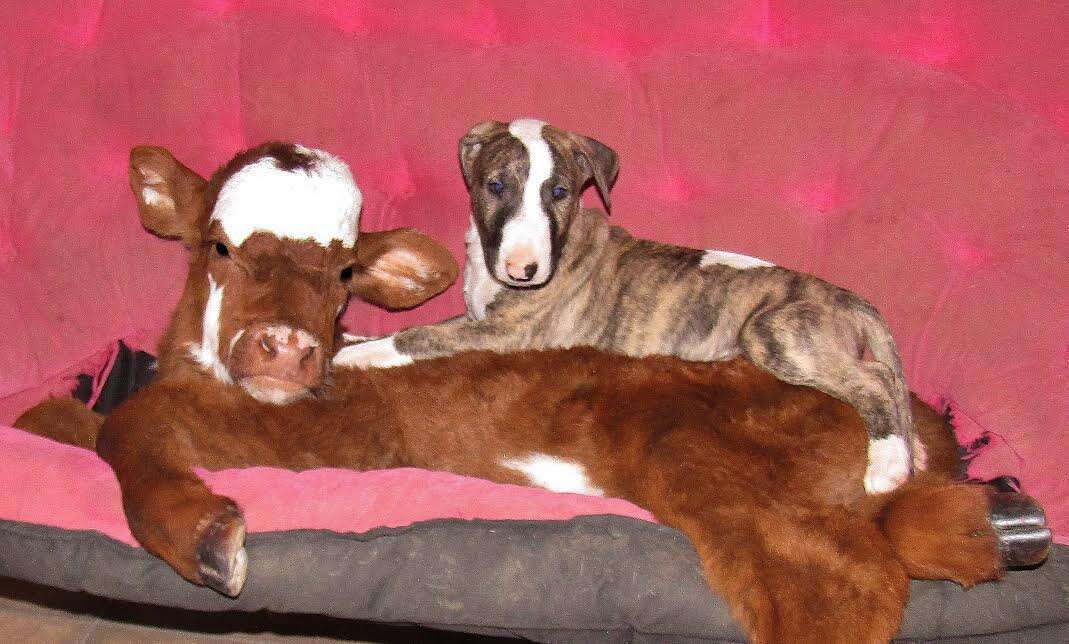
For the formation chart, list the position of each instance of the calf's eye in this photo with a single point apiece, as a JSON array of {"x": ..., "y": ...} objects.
[
  {"x": 559, "y": 192},
  {"x": 346, "y": 274},
  {"x": 495, "y": 187},
  {"x": 221, "y": 250}
]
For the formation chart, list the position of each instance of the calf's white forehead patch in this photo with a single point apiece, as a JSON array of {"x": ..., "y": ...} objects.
[
  {"x": 530, "y": 226},
  {"x": 554, "y": 474},
  {"x": 321, "y": 203}
]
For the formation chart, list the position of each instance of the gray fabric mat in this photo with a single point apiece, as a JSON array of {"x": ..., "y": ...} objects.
[{"x": 590, "y": 579}]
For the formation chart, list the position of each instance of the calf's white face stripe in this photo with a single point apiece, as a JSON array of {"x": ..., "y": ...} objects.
[
  {"x": 554, "y": 474},
  {"x": 530, "y": 226},
  {"x": 206, "y": 352},
  {"x": 321, "y": 203},
  {"x": 735, "y": 260}
]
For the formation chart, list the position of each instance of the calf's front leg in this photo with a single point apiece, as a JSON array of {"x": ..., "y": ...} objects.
[
  {"x": 424, "y": 342},
  {"x": 171, "y": 512}
]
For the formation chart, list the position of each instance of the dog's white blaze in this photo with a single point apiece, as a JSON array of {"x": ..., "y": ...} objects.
[
  {"x": 735, "y": 260},
  {"x": 321, "y": 204},
  {"x": 479, "y": 288},
  {"x": 155, "y": 198},
  {"x": 554, "y": 474},
  {"x": 206, "y": 352},
  {"x": 889, "y": 464},
  {"x": 530, "y": 225}
]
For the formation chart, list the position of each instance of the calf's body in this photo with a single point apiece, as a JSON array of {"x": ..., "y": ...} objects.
[{"x": 783, "y": 534}]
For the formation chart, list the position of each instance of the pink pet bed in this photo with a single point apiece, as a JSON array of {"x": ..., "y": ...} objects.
[{"x": 915, "y": 153}]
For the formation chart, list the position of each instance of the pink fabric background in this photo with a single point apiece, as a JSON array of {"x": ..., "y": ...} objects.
[{"x": 917, "y": 152}]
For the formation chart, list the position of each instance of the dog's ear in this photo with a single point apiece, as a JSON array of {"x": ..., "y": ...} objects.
[
  {"x": 472, "y": 142},
  {"x": 601, "y": 164},
  {"x": 168, "y": 193}
]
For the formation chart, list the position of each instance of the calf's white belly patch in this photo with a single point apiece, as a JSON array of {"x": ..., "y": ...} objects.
[{"x": 554, "y": 474}]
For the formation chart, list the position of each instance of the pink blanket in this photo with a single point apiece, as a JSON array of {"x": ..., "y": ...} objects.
[{"x": 68, "y": 487}]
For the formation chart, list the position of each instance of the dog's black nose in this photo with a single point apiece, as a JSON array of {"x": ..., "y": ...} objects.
[{"x": 530, "y": 270}]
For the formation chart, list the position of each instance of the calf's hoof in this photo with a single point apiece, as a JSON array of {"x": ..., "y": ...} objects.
[
  {"x": 1024, "y": 539},
  {"x": 223, "y": 562}
]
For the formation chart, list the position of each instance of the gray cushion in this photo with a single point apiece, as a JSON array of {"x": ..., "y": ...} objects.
[{"x": 590, "y": 579}]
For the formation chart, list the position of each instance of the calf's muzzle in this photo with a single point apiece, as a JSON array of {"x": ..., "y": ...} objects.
[{"x": 277, "y": 363}]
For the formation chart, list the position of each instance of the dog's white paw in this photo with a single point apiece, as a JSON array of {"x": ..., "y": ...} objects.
[
  {"x": 889, "y": 465},
  {"x": 381, "y": 353},
  {"x": 352, "y": 338}
]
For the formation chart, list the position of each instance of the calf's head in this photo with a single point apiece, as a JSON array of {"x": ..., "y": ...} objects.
[
  {"x": 275, "y": 254},
  {"x": 525, "y": 179}
]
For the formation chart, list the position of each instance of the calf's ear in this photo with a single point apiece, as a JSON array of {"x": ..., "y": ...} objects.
[
  {"x": 169, "y": 195},
  {"x": 400, "y": 268}
]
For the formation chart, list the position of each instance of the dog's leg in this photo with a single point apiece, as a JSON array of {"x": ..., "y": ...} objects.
[
  {"x": 434, "y": 341},
  {"x": 782, "y": 341}
]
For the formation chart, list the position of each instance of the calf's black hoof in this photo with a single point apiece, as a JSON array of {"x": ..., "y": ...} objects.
[
  {"x": 224, "y": 564},
  {"x": 1024, "y": 539}
]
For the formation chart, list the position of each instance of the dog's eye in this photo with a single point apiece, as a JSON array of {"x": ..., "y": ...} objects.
[
  {"x": 495, "y": 187},
  {"x": 559, "y": 192},
  {"x": 221, "y": 250},
  {"x": 346, "y": 274}
]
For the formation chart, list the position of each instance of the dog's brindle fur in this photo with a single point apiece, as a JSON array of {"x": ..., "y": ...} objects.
[{"x": 638, "y": 297}]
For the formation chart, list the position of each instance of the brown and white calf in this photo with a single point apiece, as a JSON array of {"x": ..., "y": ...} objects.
[
  {"x": 273, "y": 238},
  {"x": 543, "y": 273},
  {"x": 786, "y": 535}
]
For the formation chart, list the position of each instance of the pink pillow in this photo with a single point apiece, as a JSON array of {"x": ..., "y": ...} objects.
[{"x": 72, "y": 488}]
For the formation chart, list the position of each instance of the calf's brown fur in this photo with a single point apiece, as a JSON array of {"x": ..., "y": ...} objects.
[{"x": 786, "y": 535}]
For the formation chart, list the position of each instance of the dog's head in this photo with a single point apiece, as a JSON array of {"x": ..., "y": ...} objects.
[{"x": 525, "y": 179}]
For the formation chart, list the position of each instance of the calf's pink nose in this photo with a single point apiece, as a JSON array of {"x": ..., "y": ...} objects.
[{"x": 278, "y": 352}]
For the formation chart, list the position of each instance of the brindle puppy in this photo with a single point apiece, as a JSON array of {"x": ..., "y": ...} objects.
[{"x": 542, "y": 272}]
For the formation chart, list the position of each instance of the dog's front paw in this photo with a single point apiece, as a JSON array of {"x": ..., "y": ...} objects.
[
  {"x": 380, "y": 353},
  {"x": 889, "y": 465},
  {"x": 352, "y": 338}
]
